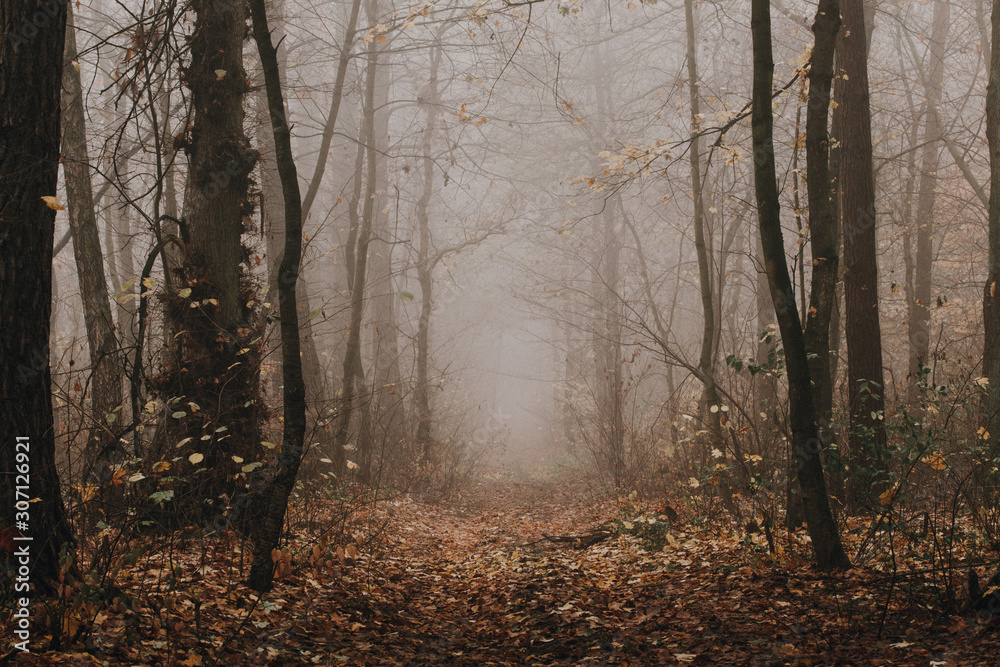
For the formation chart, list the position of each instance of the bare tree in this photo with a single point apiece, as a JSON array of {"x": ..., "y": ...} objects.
[
  {"x": 805, "y": 434},
  {"x": 866, "y": 386},
  {"x": 280, "y": 486},
  {"x": 106, "y": 360}
]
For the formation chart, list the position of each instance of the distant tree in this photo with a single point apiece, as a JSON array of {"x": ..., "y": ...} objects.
[
  {"x": 106, "y": 359},
  {"x": 358, "y": 243},
  {"x": 706, "y": 359},
  {"x": 919, "y": 264},
  {"x": 31, "y": 72}
]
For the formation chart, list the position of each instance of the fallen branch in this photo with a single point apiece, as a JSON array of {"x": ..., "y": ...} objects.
[{"x": 580, "y": 541}]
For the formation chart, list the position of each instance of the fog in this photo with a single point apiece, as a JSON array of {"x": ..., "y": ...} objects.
[{"x": 547, "y": 146}]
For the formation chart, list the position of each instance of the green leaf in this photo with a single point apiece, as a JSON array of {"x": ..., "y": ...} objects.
[
  {"x": 250, "y": 467},
  {"x": 180, "y": 414},
  {"x": 406, "y": 296}
]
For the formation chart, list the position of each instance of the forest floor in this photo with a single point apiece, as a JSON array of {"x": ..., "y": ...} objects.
[{"x": 475, "y": 581}]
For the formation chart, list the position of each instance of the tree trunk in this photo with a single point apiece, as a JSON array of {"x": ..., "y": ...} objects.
[
  {"x": 822, "y": 226},
  {"x": 353, "y": 369},
  {"x": 867, "y": 439},
  {"x": 424, "y": 266},
  {"x": 294, "y": 389},
  {"x": 31, "y": 53},
  {"x": 805, "y": 434},
  {"x": 105, "y": 355},
  {"x": 918, "y": 307},
  {"x": 991, "y": 293},
  {"x": 273, "y": 221},
  {"x": 211, "y": 384},
  {"x": 607, "y": 345},
  {"x": 706, "y": 360},
  {"x": 386, "y": 408}
]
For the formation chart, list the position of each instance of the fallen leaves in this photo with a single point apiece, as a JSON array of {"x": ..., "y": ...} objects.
[{"x": 507, "y": 576}]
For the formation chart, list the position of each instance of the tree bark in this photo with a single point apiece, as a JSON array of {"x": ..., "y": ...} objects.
[
  {"x": 106, "y": 360},
  {"x": 918, "y": 307},
  {"x": 805, "y": 435},
  {"x": 273, "y": 220},
  {"x": 294, "y": 389},
  {"x": 822, "y": 226},
  {"x": 212, "y": 380},
  {"x": 867, "y": 438},
  {"x": 31, "y": 54},
  {"x": 991, "y": 293}
]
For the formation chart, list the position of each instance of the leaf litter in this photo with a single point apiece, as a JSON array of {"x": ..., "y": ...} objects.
[{"x": 536, "y": 572}]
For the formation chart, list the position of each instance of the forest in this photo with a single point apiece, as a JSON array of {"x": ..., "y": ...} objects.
[{"x": 499, "y": 332}]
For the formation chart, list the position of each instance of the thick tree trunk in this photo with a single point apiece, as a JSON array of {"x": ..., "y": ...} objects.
[
  {"x": 106, "y": 360},
  {"x": 805, "y": 434},
  {"x": 211, "y": 383},
  {"x": 867, "y": 439},
  {"x": 991, "y": 293},
  {"x": 294, "y": 390},
  {"x": 31, "y": 70}
]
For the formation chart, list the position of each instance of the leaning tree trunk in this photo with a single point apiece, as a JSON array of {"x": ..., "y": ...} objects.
[
  {"x": 805, "y": 434},
  {"x": 31, "y": 67},
  {"x": 991, "y": 293},
  {"x": 280, "y": 486},
  {"x": 106, "y": 361},
  {"x": 866, "y": 387}
]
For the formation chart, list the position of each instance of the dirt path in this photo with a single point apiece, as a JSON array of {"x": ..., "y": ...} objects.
[
  {"x": 476, "y": 582},
  {"x": 472, "y": 584}
]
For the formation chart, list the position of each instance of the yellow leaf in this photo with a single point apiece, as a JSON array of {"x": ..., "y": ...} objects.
[
  {"x": 149, "y": 283},
  {"x": 196, "y": 458},
  {"x": 184, "y": 293},
  {"x": 53, "y": 203}
]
